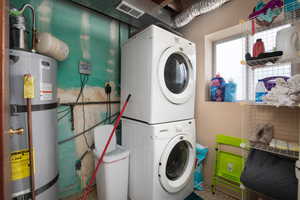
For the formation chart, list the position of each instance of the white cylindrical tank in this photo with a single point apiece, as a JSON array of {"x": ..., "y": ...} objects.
[{"x": 51, "y": 46}]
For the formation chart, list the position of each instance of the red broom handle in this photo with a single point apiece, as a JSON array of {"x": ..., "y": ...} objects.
[{"x": 86, "y": 191}]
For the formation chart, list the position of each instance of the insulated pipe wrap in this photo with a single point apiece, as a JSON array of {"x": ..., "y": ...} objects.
[{"x": 199, "y": 8}]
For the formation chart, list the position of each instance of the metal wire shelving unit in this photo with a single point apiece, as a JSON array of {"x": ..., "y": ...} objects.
[{"x": 278, "y": 151}]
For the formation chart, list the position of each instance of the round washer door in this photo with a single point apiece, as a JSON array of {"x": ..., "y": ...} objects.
[
  {"x": 176, "y": 164},
  {"x": 176, "y": 75}
]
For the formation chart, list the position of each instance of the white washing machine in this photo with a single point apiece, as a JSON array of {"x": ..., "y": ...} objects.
[
  {"x": 162, "y": 159},
  {"x": 159, "y": 70}
]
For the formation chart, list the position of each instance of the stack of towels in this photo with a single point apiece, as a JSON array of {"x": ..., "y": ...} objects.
[{"x": 285, "y": 93}]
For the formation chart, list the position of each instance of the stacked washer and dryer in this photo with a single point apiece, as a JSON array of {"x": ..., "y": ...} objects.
[{"x": 158, "y": 127}]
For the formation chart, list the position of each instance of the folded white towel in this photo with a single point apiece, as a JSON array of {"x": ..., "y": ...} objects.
[
  {"x": 294, "y": 83},
  {"x": 284, "y": 93}
]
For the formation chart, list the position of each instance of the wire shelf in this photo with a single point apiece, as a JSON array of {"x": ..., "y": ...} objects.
[
  {"x": 265, "y": 67},
  {"x": 284, "y": 119},
  {"x": 285, "y": 122},
  {"x": 253, "y": 103},
  {"x": 270, "y": 62},
  {"x": 262, "y": 62},
  {"x": 283, "y": 152},
  {"x": 290, "y": 15}
]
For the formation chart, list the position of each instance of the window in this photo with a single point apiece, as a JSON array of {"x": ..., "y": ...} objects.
[
  {"x": 227, "y": 62},
  {"x": 228, "y": 56}
]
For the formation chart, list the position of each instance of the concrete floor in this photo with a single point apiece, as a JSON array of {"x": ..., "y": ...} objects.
[
  {"x": 206, "y": 195},
  {"x": 92, "y": 196}
]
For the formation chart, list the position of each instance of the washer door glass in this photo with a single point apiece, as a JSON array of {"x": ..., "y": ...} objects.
[
  {"x": 176, "y": 164},
  {"x": 176, "y": 73},
  {"x": 177, "y": 161}
]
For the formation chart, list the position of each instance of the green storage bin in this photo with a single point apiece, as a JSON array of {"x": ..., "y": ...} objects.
[{"x": 229, "y": 166}]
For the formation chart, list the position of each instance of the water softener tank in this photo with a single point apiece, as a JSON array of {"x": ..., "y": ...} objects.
[{"x": 44, "y": 126}]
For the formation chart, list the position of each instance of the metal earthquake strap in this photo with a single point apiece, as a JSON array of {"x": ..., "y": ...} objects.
[
  {"x": 39, "y": 190},
  {"x": 22, "y": 108}
]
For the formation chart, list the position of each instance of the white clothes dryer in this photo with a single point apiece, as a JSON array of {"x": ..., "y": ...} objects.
[
  {"x": 162, "y": 159},
  {"x": 159, "y": 71}
]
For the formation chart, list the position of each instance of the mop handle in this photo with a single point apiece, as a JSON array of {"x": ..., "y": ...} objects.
[{"x": 86, "y": 192}]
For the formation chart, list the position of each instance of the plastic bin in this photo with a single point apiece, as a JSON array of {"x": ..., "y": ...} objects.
[{"x": 112, "y": 178}]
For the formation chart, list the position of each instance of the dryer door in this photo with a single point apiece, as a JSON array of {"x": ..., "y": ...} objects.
[
  {"x": 176, "y": 164},
  {"x": 176, "y": 75}
]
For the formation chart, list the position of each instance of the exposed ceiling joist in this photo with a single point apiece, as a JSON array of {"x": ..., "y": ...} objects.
[
  {"x": 164, "y": 3},
  {"x": 173, "y": 4},
  {"x": 176, "y": 5},
  {"x": 186, "y": 3}
]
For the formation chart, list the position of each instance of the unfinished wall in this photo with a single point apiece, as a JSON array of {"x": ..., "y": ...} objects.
[
  {"x": 215, "y": 118},
  {"x": 93, "y": 38}
]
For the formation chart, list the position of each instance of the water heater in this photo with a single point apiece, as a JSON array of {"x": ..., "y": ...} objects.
[{"x": 44, "y": 126}]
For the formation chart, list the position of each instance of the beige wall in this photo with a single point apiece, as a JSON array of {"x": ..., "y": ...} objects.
[{"x": 215, "y": 118}]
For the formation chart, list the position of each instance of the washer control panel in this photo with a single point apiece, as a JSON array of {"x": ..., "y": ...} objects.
[{"x": 179, "y": 128}]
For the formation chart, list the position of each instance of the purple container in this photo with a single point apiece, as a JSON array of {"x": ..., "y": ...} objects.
[
  {"x": 217, "y": 89},
  {"x": 270, "y": 82}
]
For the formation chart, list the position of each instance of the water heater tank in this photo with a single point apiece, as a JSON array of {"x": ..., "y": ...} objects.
[{"x": 44, "y": 122}]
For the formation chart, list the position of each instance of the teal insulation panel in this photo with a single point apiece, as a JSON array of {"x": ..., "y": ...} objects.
[{"x": 91, "y": 37}]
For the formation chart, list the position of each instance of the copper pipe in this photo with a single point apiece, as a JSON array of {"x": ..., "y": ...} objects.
[
  {"x": 34, "y": 39},
  {"x": 29, "y": 124}
]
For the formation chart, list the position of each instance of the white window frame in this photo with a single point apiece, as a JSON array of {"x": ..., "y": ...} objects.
[
  {"x": 209, "y": 41},
  {"x": 214, "y": 70}
]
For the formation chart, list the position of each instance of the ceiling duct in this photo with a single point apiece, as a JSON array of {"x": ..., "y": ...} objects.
[
  {"x": 130, "y": 10},
  {"x": 199, "y": 8},
  {"x": 137, "y": 13}
]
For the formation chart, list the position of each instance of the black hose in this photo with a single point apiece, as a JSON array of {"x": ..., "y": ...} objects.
[{"x": 87, "y": 130}]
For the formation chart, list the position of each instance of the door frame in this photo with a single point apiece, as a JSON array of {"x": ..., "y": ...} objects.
[{"x": 4, "y": 102}]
